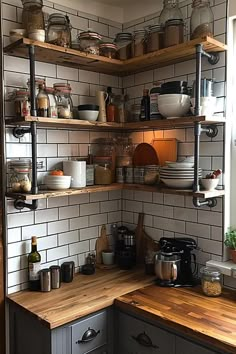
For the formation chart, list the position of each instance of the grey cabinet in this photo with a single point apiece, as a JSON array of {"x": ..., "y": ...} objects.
[
  {"x": 139, "y": 337},
  {"x": 186, "y": 347}
]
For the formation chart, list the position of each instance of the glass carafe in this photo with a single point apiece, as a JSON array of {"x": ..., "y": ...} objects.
[
  {"x": 202, "y": 19},
  {"x": 32, "y": 15},
  {"x": 171, "y": 11}
]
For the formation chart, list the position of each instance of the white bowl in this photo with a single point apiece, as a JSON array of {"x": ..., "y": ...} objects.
[
  {"x": 207, "y": 106},
  {"x": 88, "y": 115},
  {"x": 179, "y": 164},
  {"x": 178, "y": 183},
  {"x": 209, "y": 184},
  {"x": 52, "y": 178},
  {"x": 175, "y": 109},
  {"x": 173, "y": 99},
  {"x": 37, "y": 35},
  {"x": 60, "y": 182}
]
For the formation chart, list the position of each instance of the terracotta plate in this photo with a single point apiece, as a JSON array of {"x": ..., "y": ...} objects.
[{"x": 145, "y": 154}]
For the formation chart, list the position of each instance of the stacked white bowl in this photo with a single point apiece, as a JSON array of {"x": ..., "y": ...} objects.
[
  {"x": 173, "y": 105},
  {"x": 57, "y": 182},
  {"x": 178, "y": 175}
]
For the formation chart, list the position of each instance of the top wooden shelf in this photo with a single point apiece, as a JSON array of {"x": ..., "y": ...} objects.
[{"x": 50, "y": 53}]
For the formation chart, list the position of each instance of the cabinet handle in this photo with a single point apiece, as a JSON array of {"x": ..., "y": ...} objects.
[
  {"x": 88, "y": 336},
  {"x": 144, "y": 340}
]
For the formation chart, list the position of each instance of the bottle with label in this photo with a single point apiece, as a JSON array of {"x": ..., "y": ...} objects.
[
  {"x": 42, "y": 102},
  {"x": 145, "y": 106},
  {"x": 154, "y": 93},
  {"x": 34, "y": 264}
]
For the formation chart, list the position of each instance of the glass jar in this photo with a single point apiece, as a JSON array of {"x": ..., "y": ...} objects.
[
  {"x": 155, "y": 38},
  {"x": 108, "y": 50},
  {"x": 42, "y": 102},
  {"x": 89, "y": 42},
  {"x": 139, "y": 43},
  {"x": 202, "y": 19},
  {"x": 22, "y": 103},
  {"x": 211, "y": 281},
  {"x": 124, "y": 152},
  {"x": 52, "y": 110},
  {"x": 59, "y": 30},
  {"x": 103, "y": 174},
  {"x": 20, "y": 175},
  {"x": 32, "y": 15},
  {"x": 135, "y": 112},
  {"x": 64, "y": 101},
  {"x": 170, "y": 11},
  {"x": 38, "y": 81},
  {"x": 174, "y": 32},
  {"x": 152, "y": 174},
  {"x": 124, "y": 45}
]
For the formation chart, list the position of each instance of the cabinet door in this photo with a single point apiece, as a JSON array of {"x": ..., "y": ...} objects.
[
  {"x": 102, "y": 350},
  {"x": 186, "y": 347},
  {"x": 139, "y": 337},
  {"x": 89, "y": 334}
]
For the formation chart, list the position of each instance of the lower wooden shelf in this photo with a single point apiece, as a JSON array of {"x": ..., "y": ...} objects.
[{"x": 112, "y": 187}]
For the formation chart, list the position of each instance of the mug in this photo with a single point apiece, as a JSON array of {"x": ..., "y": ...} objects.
[
  {"x": 101, "y": 98},
  {"x": 108, "y": 257},
  {"x": 77, "y": 171}
]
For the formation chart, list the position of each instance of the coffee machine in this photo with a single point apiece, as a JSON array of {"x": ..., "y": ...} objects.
[{"x": 175, "y": 264}]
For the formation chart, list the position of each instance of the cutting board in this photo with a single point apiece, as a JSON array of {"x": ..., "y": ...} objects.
[
  {"x": 145, "y": 154},
  {"x": 139, "y": 240},
  {"x": 102, "y": 244},
  {"x": 166, "y": 149}
]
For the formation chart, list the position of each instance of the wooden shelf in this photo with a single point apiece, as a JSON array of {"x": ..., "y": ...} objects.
[
  {"x": 53, "y": 54},
  {"x": 115, "y": 186},
  {"x": 182, "y": 122}
]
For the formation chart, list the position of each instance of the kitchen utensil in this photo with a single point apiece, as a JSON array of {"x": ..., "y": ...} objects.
[
  {"x": 145, "y": 154},
  {"x": 139, "y": 239},
  {"x": 88, "y": 112},
  {"x": 101, "y": 98},
  {"x": 77, "y": 171},
  {"x": 206, "y": 88},
  {"x": 178, "y": 183},
  {"x": 101, "y": 244},
  {"x": 45, "y": 280},
  {"x": 67, "y": 271},
  {"x": 167, "y": 267},
  {"x": 209, "y": 184},
  {"x": 166, "y": 149},
  {"x": 129, "y": 239},
  {"x": 55, "y": 276}
]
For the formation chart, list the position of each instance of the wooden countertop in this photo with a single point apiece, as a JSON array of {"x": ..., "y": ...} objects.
[
  {"x": 210, "y": 320},
  {"x": 85, "y": 295}
]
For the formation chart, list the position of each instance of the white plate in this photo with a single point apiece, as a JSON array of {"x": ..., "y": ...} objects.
[
  {"x": 178, "y": 178},
  {"x": 178, "y": 183},
  {"x": 179, "y": 164},
  {"x": 168, "y": 169}
]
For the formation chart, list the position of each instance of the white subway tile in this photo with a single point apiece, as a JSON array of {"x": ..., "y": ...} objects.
[
  {"x": 114, "y": 217},
  {"x": 97, "y": 219},
  {"x": 79, "y": 223},
  {"x": 18, "y": 249},
  {"x": 168, "y": 211},
  {"x": 211, "y": 148},
  {"x": 143, "y": 196},
  {"x": 18, "y": 150},
  {"x": 54, "y": 163},
  {"x": 20, "y": 219},
  {"x": 63, "y": 72},
  {"x": 109, "y": 206},
  {"x": 14, "y": 289},
  {"x": 98, "y": 197},
  {"x": 154, "y": 233},
  {"x": 99, "y": 27},
  {"x": 185, "y": 214},
  {"x": 78, "y": 199},
  {"x": 217, "y": 233},
  {"x": 54, "y": 138},
  {"x": 115, "y": 195},
  {"x": 89, "y": 209},
  {"x": 58, "y": 226},
  {"x": 143, "y": 77},
  {"x": 90, "y": 232},
  {"x": 68, "y": 10},
  {"x": 16, "y": 278},
  {"x": 13, "y": 264},
  {"x": 20, "y": 65},
  {"x": 158, "y": 198},
  {"x": 68, "y": 237},
  {"x": 79, "y": 247},
  {"x": 108, "y": 80},
  {"x": 47, "y": 242},
  {"x": 46, "y": 215},
  {"x": 79, "y": 22},
  {"x": 34, "y": 230},
  {"x": 57, "y": 202},
  {"x": 133, "y": 206},
  {"x": 45, "y": 69},
  {"x": 47, "y": 150},
  {"x": 164, "y": 73},
  {"x": 57, "y": 253},
  {"x": 78, "y": 137},
  {"x": 68, "y": 212},
  {"x": 127, "y": 217},
  {"x": 7, "y": 26},
  {"x": 152, "y": 209},
  {"x": 169, "y": 224},
  {"x": 13, "y": 235},
  {"x": 175, "y": 200},
  {"x": 210, "y": 246},
  {"x": 200, "y": 230},
  {"x": 185, "y": 67},
  {"x": 219, "y": 11},
  {"x": 89, "y": 77},
  {"x": 68, "y": 150},
  {"x": 210, "y": 218}
]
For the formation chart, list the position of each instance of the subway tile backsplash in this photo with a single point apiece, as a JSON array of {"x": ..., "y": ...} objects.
[{"x": 67, "y": 227}]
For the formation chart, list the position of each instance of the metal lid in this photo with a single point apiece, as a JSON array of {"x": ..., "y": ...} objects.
[
  {"x": 90, "y": 35},
  {"x": 88, "y": 107},
  {"x": 210, "y": 271},
  {"x": 155, "y": 28},
  {"x": 49, "y": 89},
  {"x": 58, "y": 19},
  {"x": 108, "y": 45},
  {"x": 175, "y": 22},
  {"x": 20, "y": 163}
]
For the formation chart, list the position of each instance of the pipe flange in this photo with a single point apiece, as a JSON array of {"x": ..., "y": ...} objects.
[
  {"x": 212, "y": 131},
  {"x": 20, "y": 204},
  {"x": 214, "y": 58},
  {"x": 19, "y": 132},
  {"x": 212, "y": 203}
]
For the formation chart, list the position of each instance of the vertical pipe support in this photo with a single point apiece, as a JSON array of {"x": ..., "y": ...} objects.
[
  {"x": 197, "y": 134},
  {"x": 34, "y": 188},
  {"x": 33, "y": 110},
  {"x": 199, "y": 49}
]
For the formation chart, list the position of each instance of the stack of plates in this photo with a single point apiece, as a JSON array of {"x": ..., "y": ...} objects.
[
  {"x": 178, "y": 177},
  {"x": 57, "y": 182}
]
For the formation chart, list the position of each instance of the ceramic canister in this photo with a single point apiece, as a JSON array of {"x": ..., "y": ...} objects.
[{"x": 77, "y": 171}]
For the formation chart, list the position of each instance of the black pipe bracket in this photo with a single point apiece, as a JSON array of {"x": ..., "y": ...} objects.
[
  {"x": 211, "y": 131},
  {"x": 213, "y": 58},
  {"x": 19, "y": 132},
  {"x": 20, "y": 204},
  {"x": 211, "y": 202}
]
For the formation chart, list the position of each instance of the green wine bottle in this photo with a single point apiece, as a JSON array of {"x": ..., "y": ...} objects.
[{"x": 34, "y": 264}]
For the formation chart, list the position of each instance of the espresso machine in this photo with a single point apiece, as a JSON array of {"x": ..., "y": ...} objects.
[{"x": 175, "y": 264}]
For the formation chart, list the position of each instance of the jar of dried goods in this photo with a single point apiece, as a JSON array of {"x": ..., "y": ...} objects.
[
  {"x": 22, "y": 103},
  {"x": 32, "y": 15},
  {"x": 155, "y": 38},
  {"x": 64, "y": 101},
  {"x": 171, "y": 11},
  {"x": 59, "y": 30},
  {"x": 211, "y": 281},
  {"x": 52, "y": 110},
  {"x": 108, "y": 50},
  {"x": 124, "y": 44},
  {"x": 89, "y": 42},
  {"x": 174, "y": 32},
  {"x": 42, "y": 102},
  {"x": 139, "y": 43},
  {"x": 103, "y": 174},
  {"x": 20, "y": 175},
  {"x": 202, "y": 19}
]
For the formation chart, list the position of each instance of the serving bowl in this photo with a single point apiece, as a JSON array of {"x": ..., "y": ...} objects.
[
  {"x": 178, "y": 183},
  {"x": 57, "y": 182},
  {"x": 209, "y": 184},
  {"x": 88, "y": 112},
  {"x": 176, "y": 106}
]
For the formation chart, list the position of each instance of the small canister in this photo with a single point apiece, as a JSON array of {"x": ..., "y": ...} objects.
[
  {"x": 155, "y": 38},
  {"x": 55, "y": 277},
  {"x": 120, "y": 174},
  {"x": 89, "y": 175},
  {"x": 45, "y": 280},
  {"x": 67, "y": 271},
  {"x": 139, "y": 175},
  {"x": 211, "y": 281},
  {"x": 129, "y": 175}
]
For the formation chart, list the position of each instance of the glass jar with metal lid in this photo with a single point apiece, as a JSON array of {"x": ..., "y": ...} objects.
[
  {"x": 38, "y": 81},
  {"x": 171, "y": 11},
  {"x": 59, "y": 30},
  {"x": 174, "y": 32},
  {"x": 64, "y": 101},
  {"x": 211, "y": 281},
  {"x": 139, "y": 43},
  {"x": 32, "y": 15},
  {"x": 202, "y": 19},
  {"x": 155, "y": 38},
  {"x": 20, "y": 175},
  {"x": 89, "y": 42},
  {"x": 124, "y": 43},
  {"x": 52, "y": 109},
  {"x": 22, "y": 103},
  {"x": 108, "y": 50}
]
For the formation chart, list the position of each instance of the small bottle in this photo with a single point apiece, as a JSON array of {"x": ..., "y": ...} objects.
[
  {"x": 145, "y": 106},
  {"x": 42, "y": 102},
  {"x": 34, "y": 265},
  {"x": 90, "y": 156},
  {"x": 111, "y": 108}
]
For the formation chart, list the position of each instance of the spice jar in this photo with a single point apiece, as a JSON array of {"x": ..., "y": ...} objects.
[
  {"x": 155, "y": 38},
  {"x": 64, "y": 101},
  {"x": 59, "y": 30},
  {"x": 124, "y": 45},
  {"x": 20, "y": 175},
  {"x": 103, "y": 174},
  {"x": 202, "y": 19},
  {"x": 139, "y": 43},
  {"x": 211, "y": 281},
  {"x": 42, "y": 102},
  {"x": 52, "y": 110},
  {"x": 89, "y": 42},
  {"x": 174, "y": 32},
  {"x": 171, "y": 11},
  {"x": 32, "y": 15},
  {"x": 108, "y": 50},
  {"x": 22, "y": 104}
]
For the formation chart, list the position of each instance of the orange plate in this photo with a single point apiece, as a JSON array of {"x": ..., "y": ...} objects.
[
  {"x": 166, "y": 149},
  {"x": 145, "y": 154}
]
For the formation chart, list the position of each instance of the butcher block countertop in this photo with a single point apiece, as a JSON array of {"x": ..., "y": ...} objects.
[
  {"x": 207, "y": 319},
  {"x": 85, "y": 295}
]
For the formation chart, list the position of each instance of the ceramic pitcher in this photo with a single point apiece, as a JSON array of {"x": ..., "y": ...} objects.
[{"x": 101, "y": 97}]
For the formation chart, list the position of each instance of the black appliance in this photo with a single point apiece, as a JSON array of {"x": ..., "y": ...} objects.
[{"x": 125, "y": 250}]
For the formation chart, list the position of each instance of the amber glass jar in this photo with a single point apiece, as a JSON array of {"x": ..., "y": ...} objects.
[
  {"x": 174, "y": 32},
  {"x": 155, "y": 38},
  {"x": 139, "y": 43}
]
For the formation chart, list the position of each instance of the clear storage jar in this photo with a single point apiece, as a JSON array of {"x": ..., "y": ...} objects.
[
  {"x": 64, "y": 101},
  {"x": 202, "y": 19},
  {"x": 211, "y": 281},
  {"x": 139, "y": 43},
  {"x": 174, "y": 32},
  {"x": 155, "y": 38},
  {"x": 108, "y": 50},
  {"x": 171, "y": 11},
  {"x": 20, "y": 175},
  {"x": 32, "y": 15},
  {"x": 103, "y": 174},
  {"x": 52, "y": 110},
  {"x": 124, "y": 44},
  {"x": 89, "y": 42},
  {"x": 59, "y": 30},
  {"x": 38, "y": 82},
  {"x": 22, "y": 103}
]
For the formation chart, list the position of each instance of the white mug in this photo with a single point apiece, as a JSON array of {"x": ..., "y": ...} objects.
[
  {"x": 108, "y": 257},
  {"x": 101, "y": 97},
  {"x": 77, "y": 171}
]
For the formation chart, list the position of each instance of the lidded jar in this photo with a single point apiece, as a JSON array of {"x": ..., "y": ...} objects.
[
  {"x": 20, "y": 175},
  {"x": 22, "y": 103},
  {"x": 155, "y": 38},
  {"x": 52, "y": 109},
  {"x": 174, "y": 32},
  {"x": 123, "y": 41},
  {"x": 202, "y": 19},
  {"x": 32, "y": 15},
  {"x": 64, "y": 101},
  {"x": 171, "y": 11},
  {"x": 89, "y": 42},
  {"x": 139, "y": 43},
  {"x": 59, "y": 30},
  {"x": 211, "y": 281}
]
